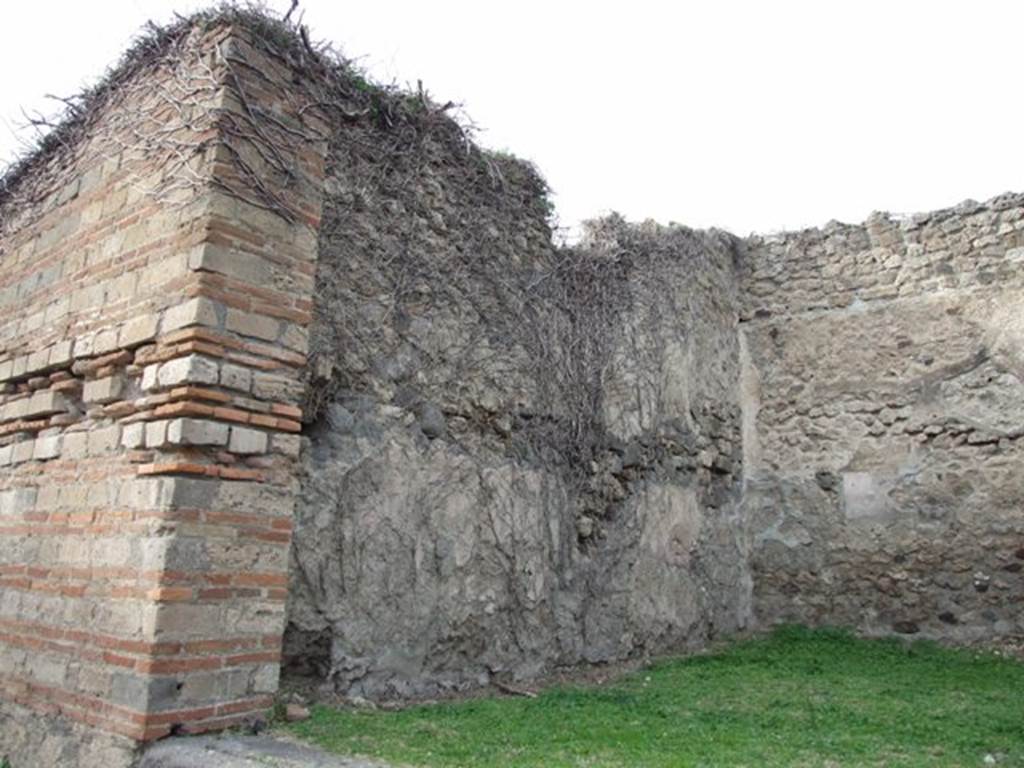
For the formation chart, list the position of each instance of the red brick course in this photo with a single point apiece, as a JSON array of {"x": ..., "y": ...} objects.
[{"x": 133, "y": 340}]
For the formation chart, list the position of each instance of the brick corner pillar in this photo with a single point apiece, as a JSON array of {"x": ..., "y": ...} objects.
[
  {"x": 152, "y": 349},
  {"x": 226, "y": 384}
]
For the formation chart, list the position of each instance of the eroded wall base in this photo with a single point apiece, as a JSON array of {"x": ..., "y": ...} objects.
[{"x": 30, "y": 738}]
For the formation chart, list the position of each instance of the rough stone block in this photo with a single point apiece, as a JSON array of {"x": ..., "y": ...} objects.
[
  {"x": 149, "y": 376},
  {"x": 245, "y": 440},
  {"x": 197, "y": 432},
  {"x": 50, "y": 670},
  {"x": 194, "y": 369},
  {"x": 84, "y": 345},
  {"x": 47, "y": 447},
  {"x": 106, "y": 341},
  {"x": 197, "y": 311},
  {"x": 160, "y": 273},
  {"x": 133, "y": 435},
  {"x": 120, "y": 288},
  {"x": 37, "y": 361},
  {"x": 103, "y": 391},
  {"x": 146, "y": 492},
  {"x": 296, "y": 338},
  {"x": 156, "y": 434},
  {"x": 164, "y": 692},
  {"x": 234, "y": 263},
  {"x": 236, "y": 377},
  {"x": 17, "y": 501},
  {"x": 15, "y": 409},
  {"x": 104, "y": 440},
  {"x": 139, "y": 330},
  {"x": 130, "y": 690},
  {"x": 265, "y": 678},
  {"x": 23, "y": 451},
  {"x": 48, "y": 496},
  {"x": 46, "y": 402},
  {"x": 56, "y": 310},
  {"x": 60, "y": 353},
  {"x": 75, "y": 445},
  {"x": 289, "y": 445},
  {"x": 269, "y": 386},
  {"x": 249, "y": 324}
]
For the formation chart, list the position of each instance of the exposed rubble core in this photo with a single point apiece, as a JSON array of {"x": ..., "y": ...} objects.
[
  {"x": 885, "y": 423},
  {"x": 515, "y": 466}
]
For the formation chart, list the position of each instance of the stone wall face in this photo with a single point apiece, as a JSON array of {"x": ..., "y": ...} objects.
[
  {"x": 503, "y": 458},
  {"x": 458, "y": 523},
  {"x": 884, "y": 422},
  {"x": 152, "y": 335}
]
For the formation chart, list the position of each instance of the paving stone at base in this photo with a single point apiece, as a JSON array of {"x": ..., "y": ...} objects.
[{"x": 235, "y": 751}]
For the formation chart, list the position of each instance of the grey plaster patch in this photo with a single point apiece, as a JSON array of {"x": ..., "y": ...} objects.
[{"x": 863, "y": 496}]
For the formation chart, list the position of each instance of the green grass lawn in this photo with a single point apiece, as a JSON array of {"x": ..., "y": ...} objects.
[{"x": 796, "y": 698}]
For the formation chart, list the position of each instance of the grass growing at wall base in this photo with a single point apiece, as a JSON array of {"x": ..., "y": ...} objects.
[{"x": 796, "y": 698}]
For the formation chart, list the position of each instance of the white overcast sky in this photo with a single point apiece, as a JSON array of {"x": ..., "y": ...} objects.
[{"x": 752, "y": 116}]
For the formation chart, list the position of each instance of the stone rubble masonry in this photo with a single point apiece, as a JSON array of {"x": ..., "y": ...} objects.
[
  {"x": 152, "y": 354},
  {"x": 884, "y": 422},
  {"x": 149, "y": 405}
]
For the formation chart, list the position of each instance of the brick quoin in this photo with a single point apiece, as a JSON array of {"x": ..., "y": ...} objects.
[{"x": 107, "y": 292}]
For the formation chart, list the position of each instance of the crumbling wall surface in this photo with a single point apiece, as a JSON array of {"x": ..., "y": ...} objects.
[
  {"x": 31, "y": 740},
  {"x": 152, "y": 331},
  {"x": 884, "y": 422},
  {"x": 524, "y": 456}
]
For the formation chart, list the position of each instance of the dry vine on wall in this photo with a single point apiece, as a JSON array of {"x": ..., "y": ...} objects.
[{"x": 438, "y": 284}]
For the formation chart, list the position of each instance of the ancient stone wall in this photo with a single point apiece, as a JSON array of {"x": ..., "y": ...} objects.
[
  {"x": 884, "y": 422},
  {"x": 152, "y": 330},
  {"x": 268, "y": 331},
  {"x": 525, "y": 457}
]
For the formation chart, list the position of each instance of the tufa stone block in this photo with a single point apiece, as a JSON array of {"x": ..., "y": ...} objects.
[
  {"x": 233, "y": 263},
  {"x": 156, "y": 434},
  {"x": 139, "y": 330},
  {"x": 194, "y": 369},
  {"x": 149, "y": 376},
  {"x": 106, "y": 341},
  {"x": 23, "y": 451},
  {"x": 236, "y": 377},
  {"x": 197, "y": 311},
  {"x": 75, "y": 445},
  {"x": 37, "y": 361},
  {"x": 247, "y": 441},
  {"x": 47, "y": 447},
  {"x": 104, "y": 440},
  {"x": 46, "y": 402},
  {"x": 103, "y": 391},
  {"x": 133, "y": 435},
  {"x": 197, "y": 432},
  {"x": 248, "y": 324},
  {"x": 60, "y": 353}
]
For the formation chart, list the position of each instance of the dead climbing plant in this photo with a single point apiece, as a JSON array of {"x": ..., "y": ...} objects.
[
  {"x": 429, "y": 246},
  {"x": 164, "y": 108}
]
